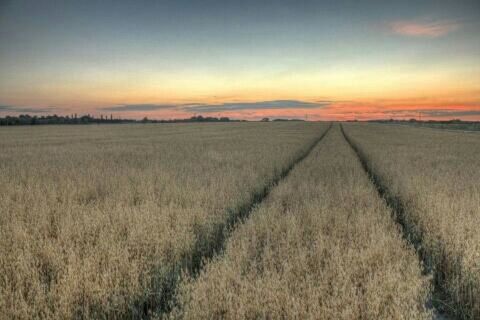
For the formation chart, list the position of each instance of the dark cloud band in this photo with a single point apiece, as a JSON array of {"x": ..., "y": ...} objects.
[
  {"x": 223, "y": 107},
  {"x": 4, "y": 108},
  {"x": 138, "y": 107},
  {"x": 260, "y": 105}
]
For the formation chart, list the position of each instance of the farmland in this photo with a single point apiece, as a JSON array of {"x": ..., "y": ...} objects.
[
  {"x": 463, "y": 126},
  {"x": 239, "y": 220},
  {"x": 321, "y": 246},
  {"x": 434, "y": 176},
  {"x": 97, "y": 220}
]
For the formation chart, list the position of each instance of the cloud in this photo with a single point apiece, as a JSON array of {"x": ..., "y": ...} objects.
[
  {"x": 403, "y": 108},
  {"x": 450, "y": 113},
  {"x": 139, "y": 107},
  {"x": 430, "y": 29},
  {"x": 260, "y": 105},
  {"x": 4, "y": 108}
]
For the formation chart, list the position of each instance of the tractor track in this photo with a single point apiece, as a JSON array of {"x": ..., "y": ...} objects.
[
  {"x": 415, "y": 239},
  {"x": 211, "y": 244}
]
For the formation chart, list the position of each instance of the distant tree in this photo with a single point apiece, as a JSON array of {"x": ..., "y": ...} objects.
[
  {"x": 25, "y": 119},
  {"x": 265, "y": 119}
]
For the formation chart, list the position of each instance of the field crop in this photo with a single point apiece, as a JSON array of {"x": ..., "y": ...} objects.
[
  {"x": 98, "y": 221},
  {"x": 322, "y": 245},
  {"x": 435, "y": 176},
  {"x": 468, "y": 126}
]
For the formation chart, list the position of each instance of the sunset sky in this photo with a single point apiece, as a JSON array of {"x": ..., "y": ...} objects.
[{"x": 323, "y": 60}]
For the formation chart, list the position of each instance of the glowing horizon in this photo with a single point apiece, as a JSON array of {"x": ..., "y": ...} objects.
[{"x": 278, "y": 59}]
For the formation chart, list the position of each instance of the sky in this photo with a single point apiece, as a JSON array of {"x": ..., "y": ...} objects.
[{"x": 315, "y": 60}]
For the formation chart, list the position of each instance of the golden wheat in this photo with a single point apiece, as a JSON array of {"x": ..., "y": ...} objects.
[
  {"x": 93, "y": 219},
  {"x": 322, "y": 245},
  {"x": 436, "y": 176}
]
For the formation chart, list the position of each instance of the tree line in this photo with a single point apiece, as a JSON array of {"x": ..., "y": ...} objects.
[{"x": 26, "y": 119}]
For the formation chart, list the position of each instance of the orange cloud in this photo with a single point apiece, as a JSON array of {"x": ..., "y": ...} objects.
[
  {"x": 425, "y": 109},
  {"x": 423, "y": 28}
]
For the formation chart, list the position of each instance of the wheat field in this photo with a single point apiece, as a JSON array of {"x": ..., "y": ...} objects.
[
  {"x": 96, "y": 221},
  {"x": 291, "y": 220},
  {"x": 321, "y": 246},
  {"x": 436, "y": 176}
]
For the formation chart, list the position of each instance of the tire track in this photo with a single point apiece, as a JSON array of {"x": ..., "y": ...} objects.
[
  {"x": 415, "y": 239},
  {"x": 210, "y": 243}
]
